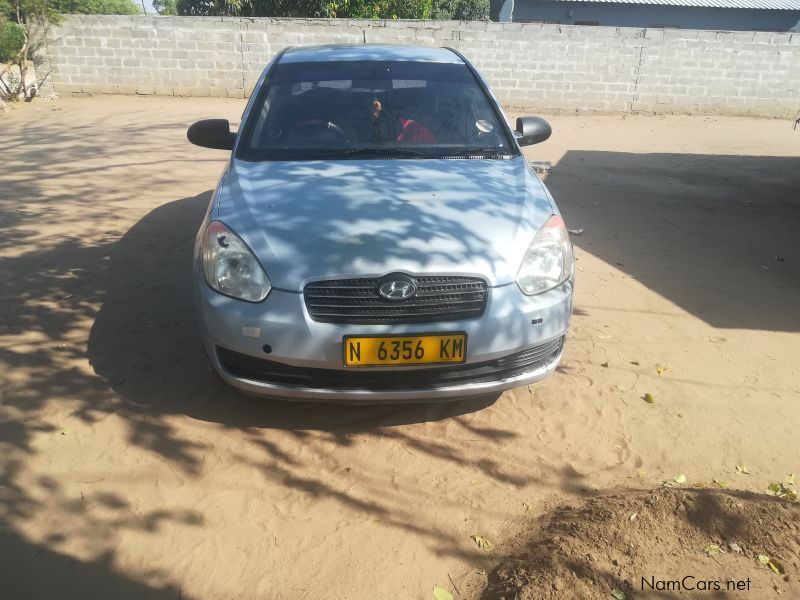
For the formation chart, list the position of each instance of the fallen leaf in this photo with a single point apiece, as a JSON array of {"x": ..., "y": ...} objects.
[
  {"x": 776, "y": 566},
  {"x": 735, "y": 548},
  {"x": 483, "y": 543},
  {"x": 660, "y": 370},
  {"x": 712, "y": 549},
  {"x": 635, "y": 362},
  {"x": 605, "y": 364},
  {"x": 618, "y": 594},
  {"x": 633, "y": 516},
  {"x": 742, "y": 469},
  {"x": 680, "y": 478},
  {"x": 441, "y": 594},
  {"x": 648, "y": 397},
  {"x": 719, "y": 483},
  {"x": 763, "y": 559},
  {"x": 782, "y": 491}
]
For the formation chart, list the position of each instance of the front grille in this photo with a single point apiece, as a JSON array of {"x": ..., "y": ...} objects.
[
  {"x": 257, "y": 369},
  {"x": 356, "y": 301}
]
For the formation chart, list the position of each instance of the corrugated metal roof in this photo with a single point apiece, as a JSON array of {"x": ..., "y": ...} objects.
[{"x": 756, "y": 4}]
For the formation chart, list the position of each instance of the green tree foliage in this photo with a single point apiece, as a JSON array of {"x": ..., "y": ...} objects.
[
  {"x": 166, "y": 7},
  {"x": 352, "y": 9},
  {"x": 11, "y": 40},
  {"x": 27, "y": 15},
  {"x": 22, "y": 27},
  {"x": 96, "y": 7},
  {"x": 378, "y": 9},
  {"x": 252, "y": 8},
  {"x": 461, "y": 10}
]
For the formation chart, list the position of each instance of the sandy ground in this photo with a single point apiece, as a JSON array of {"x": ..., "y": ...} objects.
[{"x": 129, "y": 471}]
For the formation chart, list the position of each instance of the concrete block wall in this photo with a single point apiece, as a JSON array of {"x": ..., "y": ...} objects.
[{"x": 542, "y": 67}]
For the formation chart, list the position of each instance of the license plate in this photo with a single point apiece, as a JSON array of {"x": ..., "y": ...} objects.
[{"x": 405, "y": 350}]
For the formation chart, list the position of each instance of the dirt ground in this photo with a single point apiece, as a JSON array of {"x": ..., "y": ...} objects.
[
  {"x": 128, "y": 470},
  {"x": 657, "y": 544}
]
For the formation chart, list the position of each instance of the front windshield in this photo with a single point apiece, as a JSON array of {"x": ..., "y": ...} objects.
[{"x": 351, "y": 109}]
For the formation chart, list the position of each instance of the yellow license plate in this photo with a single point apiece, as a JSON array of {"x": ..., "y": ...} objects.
[{"x": 405, "y": 350}]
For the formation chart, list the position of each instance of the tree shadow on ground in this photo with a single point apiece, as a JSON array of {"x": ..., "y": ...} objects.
[
  {"x": 146, "y": 352},
  {"x": 147, "y": 365},
  {"x": 145, "y": 341},
  {"x": 716, "y": 235},
  {"x": 32, "y": 572},
  {"x": 132, "y": 290}
]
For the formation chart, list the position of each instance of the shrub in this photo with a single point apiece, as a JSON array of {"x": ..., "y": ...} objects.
[
  {"x": 11, "y": 40},
  {"x": 461, "y": 10},
  {"x": 96, "y": 7}
]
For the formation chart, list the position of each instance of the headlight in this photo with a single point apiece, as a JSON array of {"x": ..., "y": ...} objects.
[
  {"x": 548, "y": 261},
  {"x": 230, "y": 267}
]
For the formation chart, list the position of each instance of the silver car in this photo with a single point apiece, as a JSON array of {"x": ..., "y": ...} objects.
[{"x": 377, "y": 235}]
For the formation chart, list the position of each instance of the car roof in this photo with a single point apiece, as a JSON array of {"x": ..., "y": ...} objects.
[{"x": 343, "y": 52}]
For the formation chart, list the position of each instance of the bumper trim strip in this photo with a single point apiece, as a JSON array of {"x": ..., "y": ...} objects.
[{"x": 423, "y": 379}]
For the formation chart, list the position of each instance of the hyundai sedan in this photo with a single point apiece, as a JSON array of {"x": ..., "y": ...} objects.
[{"x": 378, "y": 236}]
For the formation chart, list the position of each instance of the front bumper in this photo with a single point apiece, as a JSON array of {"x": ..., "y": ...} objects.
[{"x": 512, "y": 324}]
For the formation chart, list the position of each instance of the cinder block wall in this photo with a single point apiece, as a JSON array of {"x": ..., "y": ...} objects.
[{"x": 550, "y": 68}]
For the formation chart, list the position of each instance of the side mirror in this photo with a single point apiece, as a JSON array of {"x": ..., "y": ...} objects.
[
  {"x": 532, "y": 130},
  {"x": 211, "y": 133}
]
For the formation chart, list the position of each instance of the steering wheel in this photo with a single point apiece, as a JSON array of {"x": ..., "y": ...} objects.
[{"x": 321, "y": 127}]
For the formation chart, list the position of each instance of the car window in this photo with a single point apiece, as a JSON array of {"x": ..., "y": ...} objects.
[{"x": 352, "y": 108}]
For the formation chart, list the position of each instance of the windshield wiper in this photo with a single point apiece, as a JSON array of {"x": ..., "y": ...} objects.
[
  {"x": 368, "y": 152},
  {"x": 485, "y": 152}
]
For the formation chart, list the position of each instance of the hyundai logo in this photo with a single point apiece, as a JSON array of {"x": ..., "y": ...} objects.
[{"x": 394, "y": 288}]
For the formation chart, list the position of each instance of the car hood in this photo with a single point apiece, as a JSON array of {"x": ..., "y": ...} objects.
[{"x": 308, "y": 220}]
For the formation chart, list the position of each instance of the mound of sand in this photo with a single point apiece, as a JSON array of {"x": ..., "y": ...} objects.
[{"x": 662, "y": 543}]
